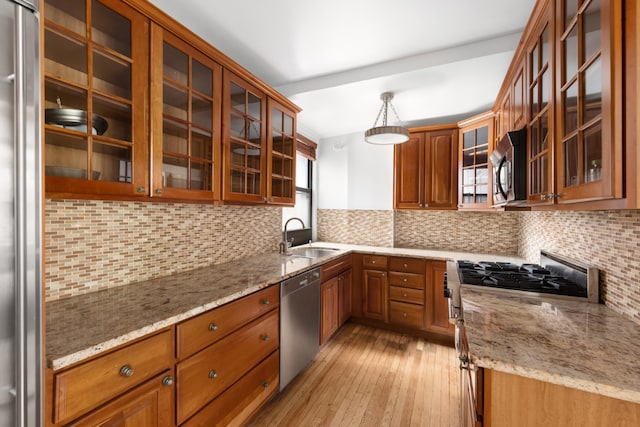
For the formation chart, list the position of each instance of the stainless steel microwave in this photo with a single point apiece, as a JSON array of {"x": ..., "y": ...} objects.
[{"x": 509, "y": 160}]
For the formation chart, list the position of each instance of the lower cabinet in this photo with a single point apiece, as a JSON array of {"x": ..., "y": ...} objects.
[
  {"x": 205, "y": 375},
  {"x": 150, "y": 404},
  {"x": 141, "y": 371},
  {"x": 403, "y": 292},
  {"x": 226, "y": 364},
  {"x": 335, "y": 296},
  {"x": 549, "y": 405}
]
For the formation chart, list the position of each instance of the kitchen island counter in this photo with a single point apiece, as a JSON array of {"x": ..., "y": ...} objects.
[{"x": 570, "y": 343}]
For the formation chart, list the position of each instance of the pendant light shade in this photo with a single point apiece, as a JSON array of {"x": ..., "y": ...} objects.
[{"x": 384, "y": 134}]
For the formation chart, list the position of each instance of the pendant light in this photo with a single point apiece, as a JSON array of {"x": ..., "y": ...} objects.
[{"x": 382, "y": 135}]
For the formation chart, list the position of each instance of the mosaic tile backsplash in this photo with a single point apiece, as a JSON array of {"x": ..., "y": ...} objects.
[
  {"x": 608, "y": 240},
  {"x": 356, "y": 227},
  {"x": 483, "y": 232},
  {"x": 93, "y": 245}
]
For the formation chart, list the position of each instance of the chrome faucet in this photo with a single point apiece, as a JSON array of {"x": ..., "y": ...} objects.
[{"x": 285, "y": 244}]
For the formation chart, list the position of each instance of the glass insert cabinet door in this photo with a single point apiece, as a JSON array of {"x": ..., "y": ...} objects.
[
  {"x": 540, "y": 117},
  {"x": 475, "y": 170},
  {"x": 244, "y": 141},
  {"x": 282, "y": 152},
  {"x": 186, "y": 87},
  {"x": 94, "y": 69},
  {"x": 589, "y": 34}
]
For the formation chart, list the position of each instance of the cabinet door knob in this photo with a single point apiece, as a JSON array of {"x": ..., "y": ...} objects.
[
  {"x": 167, "y": 381},
  {"x": 404, "y": 280},
  {"x": 266, "y": 301},
  {"x": 265, "y": 338},
  {"x": 373, "y": 262},
  {"x": 382, "y": 274},
  {"x": 404, "y": 314},
  {"x": 265, "y": 384},
  {"x": 405, "y": 265},
  {"x": 141, "y": 189},
  {"x": 213, "y": 375},
  {"x": 158, "y": 190},
  {"x": 126, "y": 371},
  {"x": 213, "y": 327}
]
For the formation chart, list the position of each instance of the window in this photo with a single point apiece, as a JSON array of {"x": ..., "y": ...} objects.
[{"x": 302, "y": 207}]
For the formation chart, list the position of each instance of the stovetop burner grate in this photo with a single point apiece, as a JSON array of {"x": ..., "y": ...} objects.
[{"x": 525, "y": 277}]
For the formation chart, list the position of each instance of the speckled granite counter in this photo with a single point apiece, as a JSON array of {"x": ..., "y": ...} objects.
[
  {"x": 575, "y": 344},
  {"x": 85, "y": 325}
]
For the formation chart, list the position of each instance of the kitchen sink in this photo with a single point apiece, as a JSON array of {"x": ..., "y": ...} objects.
[{"x": 313, "y": 252}]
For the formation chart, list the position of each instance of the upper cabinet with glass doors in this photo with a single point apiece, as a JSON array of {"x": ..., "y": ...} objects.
[
  {"x": 185, "y": 117},
  {"x": 540, "y": 112},
  {"x": 589, "y": 96},
  {"x": 476, "y": 144},
  {"x": 95, "y": 78},
  {"x": 281, "y": 187},
  {"x": 244, "y": 141}
]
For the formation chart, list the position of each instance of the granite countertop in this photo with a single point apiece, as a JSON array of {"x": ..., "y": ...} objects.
[
  {"x": 83, "y": 326},
  {"x": 571, "y": 343}
]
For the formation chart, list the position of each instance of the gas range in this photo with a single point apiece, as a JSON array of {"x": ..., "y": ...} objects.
[{"x": 554, "y": 276}]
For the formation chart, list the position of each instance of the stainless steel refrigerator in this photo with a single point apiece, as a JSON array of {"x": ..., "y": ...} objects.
[{"x": 20, "y": 216}]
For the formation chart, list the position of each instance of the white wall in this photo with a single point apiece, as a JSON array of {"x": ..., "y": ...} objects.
[{"x": 352, "y": 174}]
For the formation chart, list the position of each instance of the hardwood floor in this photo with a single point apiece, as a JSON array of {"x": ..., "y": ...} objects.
[{"x": 371, "y": 377}]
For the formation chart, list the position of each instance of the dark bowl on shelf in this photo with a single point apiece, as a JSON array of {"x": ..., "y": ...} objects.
[{"x": 71, "y": 118}]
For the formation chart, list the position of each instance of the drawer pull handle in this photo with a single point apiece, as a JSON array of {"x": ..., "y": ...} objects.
[
  {"x": 404, "y": 280},
  {"x": 373, "y": 262},
  {"x": 265, "y": 384},
  {"x": 213, "y": 327},
  {"x": 404, "y": 294},
  {"x": 126, "y": 371},
  {"x": 404, "y": 314},
  {"x": 265, "y": 338},
  {"x": 167, "y": 381},
  {"x": 405, "y": 265},
  {"x": 141, "y": 189},
  {"x": 213, "y": 375},
  {"x": 266, "y": 302}
]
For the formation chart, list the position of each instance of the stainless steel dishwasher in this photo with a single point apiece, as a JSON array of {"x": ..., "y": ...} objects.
[{"x": 299, "y": 323}]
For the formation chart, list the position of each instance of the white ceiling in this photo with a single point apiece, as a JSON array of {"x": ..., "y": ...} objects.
[{"x": 444, "y": 60}]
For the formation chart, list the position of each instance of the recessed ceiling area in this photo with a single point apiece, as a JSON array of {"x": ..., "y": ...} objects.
[{"x": 444, "y": 61}]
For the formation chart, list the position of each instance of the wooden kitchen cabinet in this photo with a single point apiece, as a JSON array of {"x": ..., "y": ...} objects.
[
  {"x": 540, "y": 141},
  {"x": 281, "y": 154},
  {"x": 244, "y": 140},
  {"x": 329, "y": 303},
  {"x": 205, "y": 375},
  {"x": 475, "y": 177},
  {"x": 150, "y": 404},
  {"x": 406, "y": 291},
  {"x": 374, "y": 287},
  {"x": 589, "y": 100},
  {"x": 226, "y": 367},
  {"x": 425, "y": 169},
  {"x": 96, "y": 75},
  {"x": 550, "y": 405},
  {"x": 437, "y": 305},
  {"x": 83, "y": 388},
  {"x": 335, "y": 296},
  {"x": 186, "y": 88}
]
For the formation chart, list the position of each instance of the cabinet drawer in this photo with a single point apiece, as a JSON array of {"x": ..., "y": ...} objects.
[
  {"x": 197, "y": 333},
  {"x": 242, "y": 399},
  {"x": 208, "y": 373},
  {"x": 335, "y": 267},
  {"x": 406, "y": 314},
  {"x": 408, "y": 265},
  {"x": 413, "y": 296},
  {"x": 374, "y": 261},
  {"x": 409, "y": 280},
  {"x": 90, "y": 384}
]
